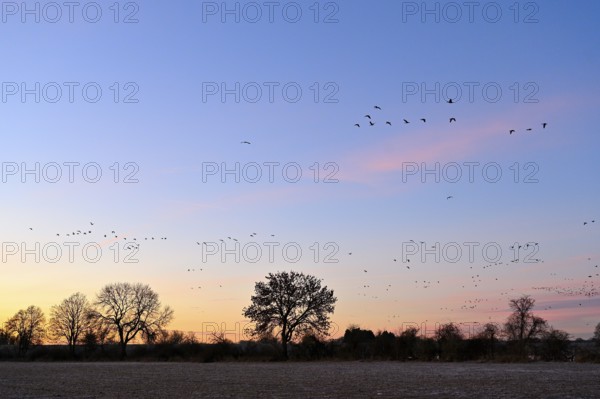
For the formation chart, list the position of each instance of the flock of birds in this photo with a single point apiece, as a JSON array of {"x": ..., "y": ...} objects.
[
  {"x": 221, "y": 240},
  {"x": 589, "y": 288},
  {"x": 132, "y": 244},
  {"x": 496, "y": 304},
  {"x": 405, "y": 121}
]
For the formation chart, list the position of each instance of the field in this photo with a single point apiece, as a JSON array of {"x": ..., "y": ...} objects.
[{"x": 299, "y": 380}]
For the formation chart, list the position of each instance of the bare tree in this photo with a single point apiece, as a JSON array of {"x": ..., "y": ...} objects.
[
  {"x": 291, "y": 303},
  {"x": 69, "y": 319},
  {"x": 131, "y": 309},
  {"x": 26, "y": 327},
  {"x": 596, "y": 336},
  {"x": 522, "y": 326}
]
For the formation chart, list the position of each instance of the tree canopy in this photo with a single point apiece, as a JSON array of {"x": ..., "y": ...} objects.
[{"x": 292, "y": 304}]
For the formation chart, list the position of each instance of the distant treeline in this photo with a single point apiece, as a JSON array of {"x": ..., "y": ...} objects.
[
  {"x": 356, "y": 344},
  {"x": 291, "y": 315}
]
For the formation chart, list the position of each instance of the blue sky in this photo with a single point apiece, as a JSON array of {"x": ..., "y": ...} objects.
[{"x": 369, "y": 57}]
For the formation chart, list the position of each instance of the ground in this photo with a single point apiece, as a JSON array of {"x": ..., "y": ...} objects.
[{"x": 299, "y": 380}]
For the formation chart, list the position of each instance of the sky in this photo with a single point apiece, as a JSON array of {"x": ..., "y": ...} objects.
[{"x": 133, "y": 116}]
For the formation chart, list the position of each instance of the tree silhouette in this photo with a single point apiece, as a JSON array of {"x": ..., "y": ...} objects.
[
  {"x": 359, "y": 341},
  {"x": 597, "y": 334},
  {"x": 291, "y": 303},
  {"x": 69, "y": 319},
  {"x": 489, "y": 335},
  {"x": 4, "y": 337},
  {"x": 555, "y": 345},
  {"x": 407, "y": 343},
  {"x": 449, "y": 338},
  {"x": 131, "y": 309},
  {"x": 26, "y": 327},
  {"x": 522, "y": 326}
]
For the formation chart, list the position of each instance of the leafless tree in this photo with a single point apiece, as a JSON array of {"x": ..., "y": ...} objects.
[
  {"x": 522, "y": 325},
  {"x": 27, "y": 327},
  {"x": 131, "y": 309},
  {"x": 69, "y": 319},
  {"x": 597, "y": 334},
  {"x": 291, "y": 303}
]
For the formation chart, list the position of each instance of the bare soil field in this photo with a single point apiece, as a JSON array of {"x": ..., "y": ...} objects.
[{"x": 299, "y": 380}]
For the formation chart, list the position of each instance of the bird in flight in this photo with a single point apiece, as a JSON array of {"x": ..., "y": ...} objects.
[
  {"x": 511, "y": 132},
  {"x": 388, "y": 123},
  {"x": 544, "y": 125},
  {"x": 371, "y": 123},
  {"x": 405, "y": 121},
  {"x": 245, "y": 142},
  {"x": 368, "y": 116},
  {"x": 357, "y": 125},
  {"x": 452, "y": 120},
  {"x": 377, "y": 107},
  {"x": 529, "y": 129},
  {"x": 450, "y": 101},
  {"x": 424, "y": 120},
  {"x": 449, "y": 197}
]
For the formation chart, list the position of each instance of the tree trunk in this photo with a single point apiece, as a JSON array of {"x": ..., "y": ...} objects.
[
  {"x": 284, "y": 347},
  {"x": 284, "y": 340},
  {"x": 123, "y": 350}
]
